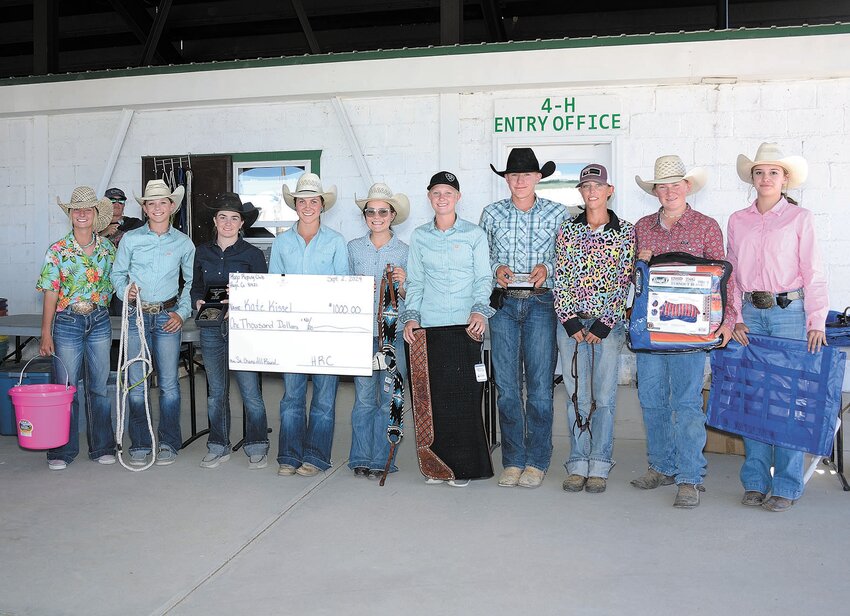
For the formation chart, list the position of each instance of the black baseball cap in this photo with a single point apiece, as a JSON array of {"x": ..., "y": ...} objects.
[
  {"x": 444, "y": 177},
  {"x": 115, "y": 194}
]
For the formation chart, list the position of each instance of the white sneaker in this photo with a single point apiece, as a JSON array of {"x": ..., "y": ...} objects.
[
  {"x": 138, "y": 458},
  {"x": 258, "y": 462},
  {"x": 57, "y": 465},
  {"x": 165, "y": 456},
  {"x": 459, "y": 483},
  {"x": 286, "y": 470},
  {"x": 433, "y": 482},
  {"x": 106, "y": 458},
  {"x": 212, "y": 460}
]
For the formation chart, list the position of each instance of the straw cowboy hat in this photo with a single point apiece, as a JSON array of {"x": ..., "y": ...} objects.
[
  {"x": 382, "y": 192},
  {"x": 158, "y": 189},
  {"x": 309, "y": 185},
  {"x": 523, "y": 160},
  {"x": 770, "y": 154},
  {"x": 231, "y": 202},
  {"x": 84, "y": 197},
  {"x": 669, "y": 170}
]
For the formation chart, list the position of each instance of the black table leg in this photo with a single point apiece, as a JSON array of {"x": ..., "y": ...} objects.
[
  {"x": 192, "y": 400},
  {"x": 836, "y": 461}
]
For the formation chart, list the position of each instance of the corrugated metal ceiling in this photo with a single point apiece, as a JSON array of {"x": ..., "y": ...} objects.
[{"x": 52, "y": 36}]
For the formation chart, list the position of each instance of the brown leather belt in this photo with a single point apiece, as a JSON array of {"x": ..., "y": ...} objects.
[
  {"x": 83, "y": 308},
  {"x": 157, "y": 307},
  {"x": 525, "y": 293},
  {"x": 765, "y": 299},
  {"x": 583, "y": 315}
]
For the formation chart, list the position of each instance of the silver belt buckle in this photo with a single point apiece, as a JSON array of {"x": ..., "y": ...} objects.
[
  {"x": 762, "y": 299},
  {"x": 82, "y": 308}
]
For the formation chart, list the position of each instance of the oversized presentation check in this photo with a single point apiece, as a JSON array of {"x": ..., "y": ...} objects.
[{"x": 300, "y": 323}]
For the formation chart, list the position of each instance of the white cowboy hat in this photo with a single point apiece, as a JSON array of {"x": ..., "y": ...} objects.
[
  {"x": 669, "y": 170},
  {"x": 770, "y": 154},
  {"x": 158, "y": 189},
  {"x": 84, "y": 197},
  {"x": 382, "y": 192},
  {"x": 309, "y": 185}
]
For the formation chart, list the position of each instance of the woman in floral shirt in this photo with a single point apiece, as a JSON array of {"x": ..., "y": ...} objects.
[{"x": 75, "y": 321}]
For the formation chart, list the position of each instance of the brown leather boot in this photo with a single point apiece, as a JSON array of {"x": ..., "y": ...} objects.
[
  {"x": 574, "y": 483},
  {"x": 651, "y": 479},
  {"x": 753, "y": 498},
  {"x": 595, "y": 485},
  {"x": 778, "y": 504},
  {"x": 687, "y": 497}
]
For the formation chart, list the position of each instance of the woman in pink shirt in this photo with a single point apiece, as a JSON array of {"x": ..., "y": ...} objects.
[{"x": 781, "y": 291}]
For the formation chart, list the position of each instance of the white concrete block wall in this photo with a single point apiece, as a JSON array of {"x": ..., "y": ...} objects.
[
  {"x": 399, "y": 138},
  {"x": 16, "y": 242}
]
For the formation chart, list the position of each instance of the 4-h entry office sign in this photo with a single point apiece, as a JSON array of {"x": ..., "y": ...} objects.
[
  {"x": 301, "y": 323},
  {"x": 556, "y": 115}
]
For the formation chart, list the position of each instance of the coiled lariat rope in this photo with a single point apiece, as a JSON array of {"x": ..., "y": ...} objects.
[{"x": 122, "y": 381}]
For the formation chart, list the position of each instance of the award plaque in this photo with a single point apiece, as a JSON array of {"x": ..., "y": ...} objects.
[{"x": 214, "y": 310}]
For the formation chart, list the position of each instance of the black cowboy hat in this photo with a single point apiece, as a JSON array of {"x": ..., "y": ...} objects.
[
  {"x": 230, "y": 202},
  {"x": 522, "y": 160}
]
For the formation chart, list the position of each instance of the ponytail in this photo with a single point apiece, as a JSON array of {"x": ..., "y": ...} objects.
[{"x": 790, "y": 199}]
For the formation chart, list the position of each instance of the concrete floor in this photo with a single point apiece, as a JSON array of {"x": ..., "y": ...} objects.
[{"x": 185, "y": 540}]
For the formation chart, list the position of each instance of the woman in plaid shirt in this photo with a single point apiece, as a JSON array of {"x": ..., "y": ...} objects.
[{"x": 670, "y": 385}]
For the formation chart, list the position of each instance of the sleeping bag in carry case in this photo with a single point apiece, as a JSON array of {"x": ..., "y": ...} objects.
[{"x": 679, "y": 303}]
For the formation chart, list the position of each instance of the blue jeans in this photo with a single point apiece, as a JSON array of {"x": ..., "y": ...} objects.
[
  {"x": 214, "y": 350},
  {"x": 85, "y": 340},
  {"x": 590, "y": 455},
  {"x": 524, "y": 349},
  {"x": 787, "y": 480},
  {"x": 670, "y": 393},
  {"x": 298, "y": 442},
  {"x": 165, "y": 352},
  {"x": 371, "y": 415}
]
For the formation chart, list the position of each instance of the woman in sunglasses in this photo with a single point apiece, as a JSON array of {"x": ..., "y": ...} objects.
[{"x": 369, "y": 256}]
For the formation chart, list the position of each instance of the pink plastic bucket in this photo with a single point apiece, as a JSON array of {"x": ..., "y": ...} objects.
[{"x": 43, "y": 413}]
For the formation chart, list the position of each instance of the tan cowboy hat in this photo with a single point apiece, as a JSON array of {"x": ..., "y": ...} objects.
[
  {"x": 158, "y": 189},
  {"x": 382, "y": 192},
  {"x": 770, "y": 154},
  {"x": 309, "y": 185},
  {"x": 84, "y": 197},
  {"x": 669, "y": 170}
]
